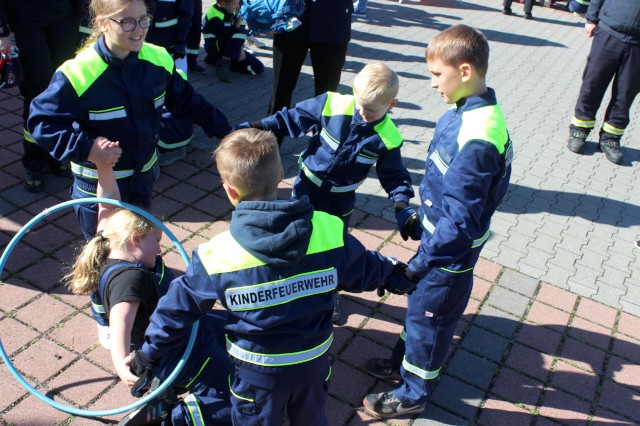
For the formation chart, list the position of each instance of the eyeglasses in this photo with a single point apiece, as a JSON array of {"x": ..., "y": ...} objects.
[{"x": 130, "y": 24}]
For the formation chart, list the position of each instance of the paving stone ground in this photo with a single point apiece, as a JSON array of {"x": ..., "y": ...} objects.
[{"x": 550, "y": 335}]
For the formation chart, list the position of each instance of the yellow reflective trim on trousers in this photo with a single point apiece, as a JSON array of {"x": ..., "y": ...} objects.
[
  {"x": 198, "y": 373},
  {"x": 157, "y": 56},
  {"x": 585, "y": 124},
  {"x": 423, "y": 374},
  {"x": 403, "y": 335},
  {"x": 166, "y": 24},
  {"x": 85, "y": 30},
  {"x": 165, "y": 145},
  {"x": 235, "y": 394},
  {"x": 338, "y": 104},
  {"x": 92, "y": 173},
  {"x": 457, "y": 272},
  {"x": 107, "y": 114},
  {"x": 98, "y": 308},
  {"x": 27, "y": 136},
  {"x": 608, "y": 128},
  {"x": 318, "y": 182},
  {"x": 479, "y": 241},
  {"x": 197, "y": 419},
  {"x": 91, "y": 194},
  {"x": 389, "y": 133},
  {"x": 328, "y": 375},
  {"x": 486, "y": 124},
  {"x": 278, "y": 360},
  {"x": 83, "y": 70},
  {"x": 239, "y": 36}
]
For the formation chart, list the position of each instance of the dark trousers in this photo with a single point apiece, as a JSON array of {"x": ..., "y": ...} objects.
[
  {"x": 195, "y": 34},
  {"x": 609, "y": 59},
  {"x": 44, "y": 44},
  {"x": 289, "y": 53},
  {"x": 528, "y": 5}
]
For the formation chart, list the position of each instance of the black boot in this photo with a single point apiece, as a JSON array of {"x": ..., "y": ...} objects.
[
  {"x": 577, "y": 139},
  {"x": 610, "y": 145}
]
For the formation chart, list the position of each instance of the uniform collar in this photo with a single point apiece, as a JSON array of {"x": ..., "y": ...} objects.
[
  {"x": 109, "y": 57},
  {"x": 479, "y": 101}
]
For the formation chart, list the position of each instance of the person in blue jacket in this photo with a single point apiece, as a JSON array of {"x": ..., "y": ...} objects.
[
  {"x": 275, "y": 271},
  {"x": 115, "y": 89},
  {"x": 466, "y": 176}
]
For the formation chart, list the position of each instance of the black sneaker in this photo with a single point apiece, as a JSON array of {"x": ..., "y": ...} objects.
[
  {"x": 337, "y": 311},
  {"x": 62, "y": 170},
  {"x": 507, "y": 11},
  {"x": 196, "y": 68},
  {"x": 381, "y": 368},
  {"x": 577, "y": 140},
  {"x": 385, "y": 405},
  {"x": 222, "y": 70},
  {"x": 528, "y": 16},
  {"x": 611, "y": 149},
  {"x": 34, "y": 182},
  {"x": 638, "y": 244}
]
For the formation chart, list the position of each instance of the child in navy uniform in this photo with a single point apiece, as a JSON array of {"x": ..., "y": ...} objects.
[
  {"x": 466, "y": 176},
  {"x": 275, "y": 271}
]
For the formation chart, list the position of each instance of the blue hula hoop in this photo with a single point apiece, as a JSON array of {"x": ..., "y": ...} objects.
[{"x": 194, "y": 330}]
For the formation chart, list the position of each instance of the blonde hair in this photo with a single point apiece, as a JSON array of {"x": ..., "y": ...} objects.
[
  {"x": 458, "y": 45},
  {"x": 121, "y": 225},
  {"x": 100, "y": 10},
  {"x": 376, "y": 83},
  {"x": 249, "y": 160}
]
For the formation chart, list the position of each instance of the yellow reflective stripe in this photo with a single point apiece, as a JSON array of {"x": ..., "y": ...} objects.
[
  {"x": 278, "y": 360},
  {"x": 586, "y": 124},
  {"x": 389, "y": 133},
  {"x": 165, "y": 24},
  {"x": 90, "y": 173},
  {"x": 328, "y": 233},
  {"x": 199, "y": 371},
  {"x": 197, "y": 418},
  {"x": 89, "y": 193},
  {"x": 83, "y": 70},
  {"x": 27, "y": 136},
  {"x": 233, "y": 258},
  {"x": 439, "y": 162},
  {"x": 608, "y": 128},
  {"x": 85, "y": 30},
  {"x": 98, "y": 308},
  {"x": 151, "y": 162},
  {"x": 423, "y": 374},
  {"x": 328, "y": 375},
  {"x": 457, "y": 272},
  {"x": 365, "y": 159},
  {"x": 403, "y": 335},
  {"x": 108, "y": 114},
  {"x": 207, "y": 36},
  {"x": 479, "y": 241},
  {"x": 159, "y": 101},
  {"x": 182, "y": 74},
  {"x": 485, "y": 123},
  {"x": 193, "y": 52},
  {"x": 316, "y": 180},
  {"x": 166, "y": 145},
  {"x": 430, "y": 227},
  {"x": 337, "y": 104},
  {"x": 157, "y": 56},
  {"x": 239, "y": 36},
  {"x": 330, "y": 140},
  {"x": 235, "y": 394},
  {"x": 584, "y": 2},
  {"x": 214, "y": 13}
]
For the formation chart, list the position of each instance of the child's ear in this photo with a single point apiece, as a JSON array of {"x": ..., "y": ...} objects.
[
  {"x": 134, "y": 239},
  {"x": 466, "y": 71},
  {"x": 232, "y": 193},
  {"x": 392, "y": 104}
]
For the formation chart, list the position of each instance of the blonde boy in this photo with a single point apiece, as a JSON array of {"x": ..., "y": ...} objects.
[{"x": 466, "y": 176}]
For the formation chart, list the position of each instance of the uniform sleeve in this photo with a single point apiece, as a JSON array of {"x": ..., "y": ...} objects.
[
  {"x": 217, "y": 27},
  {"x": 184, "y": 102},
  {"x": 366, "y": 270},
  {"x": 189, "y": 298},
  {"x": 466, "y": 187},
  {"x": 394, "y": 176},
  {"x": 593, "y": 12},
  {"x": 54, "y": 122},
  {"x": 299, "y": 120}
]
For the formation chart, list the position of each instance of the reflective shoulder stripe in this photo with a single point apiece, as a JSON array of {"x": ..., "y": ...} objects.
[
  {"x": 423, "y": 374},
  {"x": 157, "y": 56},
  {"x": 278, "y": 360},
  {"x": 231, "y": 258},
  {"x": 182, "y": 74},
  {"x": 166, "y": 24},
  {"x": 265, "y": 295},
  {"x": 487, "y": 124},
  {"x": 84, "y": 69},
  {"x": 194, "y": 410},
  {"x": 98, "y": 308},
  {"x": 337, "y": 104},
  {"x": 214, "y": 13},
  {"x": 108, "y": 114},
  {"x": 328, "y": 233},
  {"x": 389, "y": 133}
]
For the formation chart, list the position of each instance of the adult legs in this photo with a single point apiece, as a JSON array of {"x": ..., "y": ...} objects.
[
  {"x": 327, "y": 60},
  {"x": 289, "y": 53}
]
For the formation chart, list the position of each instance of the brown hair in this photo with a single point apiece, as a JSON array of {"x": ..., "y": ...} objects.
[
  {"x": 376, "y": 83},
  {"x": 121, "y": 225},
  {"x": 458, "y": 45},
  {"x": 249, "y": 160}
]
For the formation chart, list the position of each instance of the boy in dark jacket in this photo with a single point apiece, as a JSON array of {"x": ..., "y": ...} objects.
[{"x": 275, "y": 271}]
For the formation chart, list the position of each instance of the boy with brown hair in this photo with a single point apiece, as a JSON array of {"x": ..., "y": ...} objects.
[
  {"x": 466, "y": 176},
  {"x": 276, "y": 271}
]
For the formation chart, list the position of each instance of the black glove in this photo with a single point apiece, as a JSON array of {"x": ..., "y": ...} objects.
[
  {"x": 142, "y": 367},
  {"x": 401, "y": 281},
  {"x": 179, "y": 50},
  {"x": 408, "y": 223}
]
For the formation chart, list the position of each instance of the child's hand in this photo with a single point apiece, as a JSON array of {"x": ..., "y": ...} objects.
[
  {"x": 124, "y": 372},
  {"x": 104, "y": 152}
]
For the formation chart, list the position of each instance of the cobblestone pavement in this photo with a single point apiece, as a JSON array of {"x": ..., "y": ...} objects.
[{"x": 550, "y": 335}]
